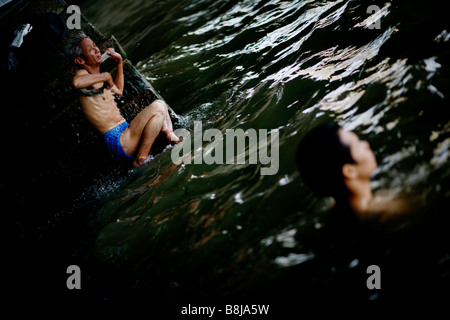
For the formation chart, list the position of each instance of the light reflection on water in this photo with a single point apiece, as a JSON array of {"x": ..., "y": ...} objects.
[{"x": 268, "y": 64}]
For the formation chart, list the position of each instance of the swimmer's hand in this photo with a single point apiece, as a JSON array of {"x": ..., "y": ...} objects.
[{"x": 114, "y": 55}]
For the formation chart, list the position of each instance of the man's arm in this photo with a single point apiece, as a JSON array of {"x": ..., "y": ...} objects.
[
  {"x": 119, "y": 81},
  {"x": 84, "y": 79}
]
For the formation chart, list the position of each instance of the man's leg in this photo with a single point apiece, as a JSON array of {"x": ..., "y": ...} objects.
[
  {"x": 167, "y": 129},
  {"x": 138, "y": 138}
]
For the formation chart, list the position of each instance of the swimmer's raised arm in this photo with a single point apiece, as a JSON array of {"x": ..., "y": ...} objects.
[{"x": 84, "y": 79}]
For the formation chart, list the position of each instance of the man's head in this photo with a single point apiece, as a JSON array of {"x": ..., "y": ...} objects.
[
  {"x": 84, "y": 51},
  {"x": 329, "y": 158}
]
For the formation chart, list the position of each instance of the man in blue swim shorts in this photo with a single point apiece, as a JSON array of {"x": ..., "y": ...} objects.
[{"x": 125, "y": 140}]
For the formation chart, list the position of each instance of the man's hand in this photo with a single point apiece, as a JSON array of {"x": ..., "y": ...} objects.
[
  {"x": 114, "y": 55},
  {"x": 84, "y": 79},
  {"x": 109, "y": 80}
]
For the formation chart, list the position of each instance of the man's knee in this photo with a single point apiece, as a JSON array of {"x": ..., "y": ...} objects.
[{"x": 159, "y": 107}]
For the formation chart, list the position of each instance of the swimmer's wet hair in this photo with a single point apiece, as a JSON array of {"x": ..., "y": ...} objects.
[
  {"x": 320, "y": 158},
  {"x": 73, "y": 47}
]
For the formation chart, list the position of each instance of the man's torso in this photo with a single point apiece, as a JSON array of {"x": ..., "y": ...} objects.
[{"x": 101, "y": 109}]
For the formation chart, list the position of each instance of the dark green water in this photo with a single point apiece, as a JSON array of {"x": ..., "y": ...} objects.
[{"x": 223, "y": 233}]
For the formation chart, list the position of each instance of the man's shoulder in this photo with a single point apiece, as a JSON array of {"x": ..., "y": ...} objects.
[{"x": 81, "y": 72}]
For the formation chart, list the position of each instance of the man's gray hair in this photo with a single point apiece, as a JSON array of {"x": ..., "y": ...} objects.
[{"x": 73, "y": 47}]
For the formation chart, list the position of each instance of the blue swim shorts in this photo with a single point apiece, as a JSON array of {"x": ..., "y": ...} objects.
[{"x": 112, "y": 140}]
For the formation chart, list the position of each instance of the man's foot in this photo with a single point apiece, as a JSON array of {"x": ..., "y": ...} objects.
[
  {"x": 173, "y": 138},
  {"x": 139, "y": 161}
]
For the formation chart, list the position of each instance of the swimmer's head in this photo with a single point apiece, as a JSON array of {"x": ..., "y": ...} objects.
[
  {"x": 84, "y": 51},
  {"x": 329, "y": 158}
]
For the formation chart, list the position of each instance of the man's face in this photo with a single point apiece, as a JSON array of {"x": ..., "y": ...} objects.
[
  {"x": 365, "y": 162},
  {"x": 91, "y": 53}
]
